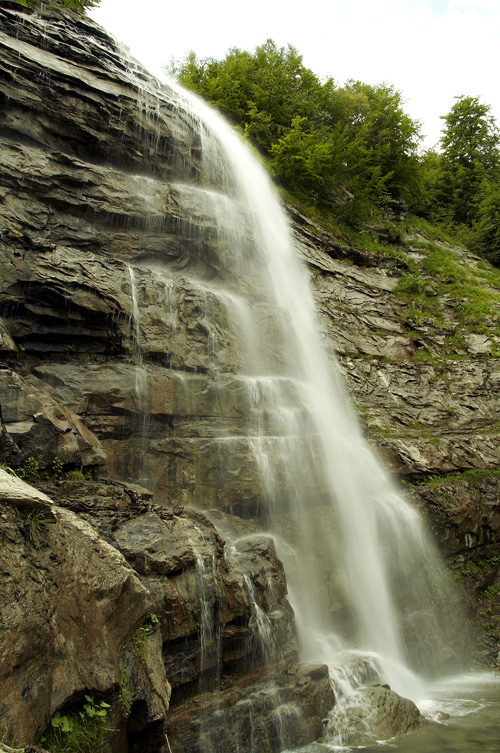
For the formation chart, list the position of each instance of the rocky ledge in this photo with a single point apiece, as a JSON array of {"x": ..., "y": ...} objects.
[{"x": 106, "y": 595}]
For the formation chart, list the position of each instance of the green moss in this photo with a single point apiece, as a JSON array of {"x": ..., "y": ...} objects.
[
  {"x": 491, "y": 593},
  {"x": 424, "y": 356},
  {"x": 471, "y": 568},
  {"x": 141, "y": 635},
  {"x": 80, "y": 476}
]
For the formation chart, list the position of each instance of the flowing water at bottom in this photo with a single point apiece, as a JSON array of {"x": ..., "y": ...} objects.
[{"x": 463, "y": 716}]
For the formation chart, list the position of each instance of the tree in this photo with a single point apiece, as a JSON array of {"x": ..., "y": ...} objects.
[
  {"x": 262, "y": 92},
  {"x": 385, "y": 137},
  {"x": 309, "y": 160},
  {"x": 353, "y": 147},
  {"x": 486, "y": 231},
  {"x": 470, "y": 144}
]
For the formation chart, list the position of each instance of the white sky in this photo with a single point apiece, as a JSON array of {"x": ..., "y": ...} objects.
[{"x": 430, "y": 50}]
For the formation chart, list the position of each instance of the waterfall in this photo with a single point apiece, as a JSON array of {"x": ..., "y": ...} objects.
[{"x": 363, "y": 575}]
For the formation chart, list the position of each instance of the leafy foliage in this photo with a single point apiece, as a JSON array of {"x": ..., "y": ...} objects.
[
  {"x": 352, "y": 146},
  {"x": 78, "y": 5},
  {"x": 463, "y": 181},
  {"x": 83, "y": 731},
  {"x": 350, "y": 151}
]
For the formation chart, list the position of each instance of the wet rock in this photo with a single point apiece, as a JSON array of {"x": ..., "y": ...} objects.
[
  {"x": 372, "y": 713},
  {"x": 273, "y": 717},
  {"x": 223, "y": 617},
  {"x": 42, "y": 427},
  {"x": 6, "y": 341},
  {"x": 158, "y": 547}
]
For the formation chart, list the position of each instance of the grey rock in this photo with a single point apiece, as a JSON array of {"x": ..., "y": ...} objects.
[
  {"x": 70, "y": 607},
  {"x": 21, "y": 494},
  {"x": 44, "y": 427},
  {"x": 372, "y": 713}
]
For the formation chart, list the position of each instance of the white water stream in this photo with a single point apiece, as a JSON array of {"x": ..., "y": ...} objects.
[
  {"x": 363, "y": 575},
  {"x": 353, "y": 536}
]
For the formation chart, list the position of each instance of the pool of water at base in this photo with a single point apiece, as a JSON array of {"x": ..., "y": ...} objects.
[{"x": 472, "y": 703}]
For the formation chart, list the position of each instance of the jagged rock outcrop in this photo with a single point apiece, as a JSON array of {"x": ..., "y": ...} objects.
[
  {"x": 147, "y": 582},
  {"x": 70, "y": 612},
  {"x": 431, "y": 416}
]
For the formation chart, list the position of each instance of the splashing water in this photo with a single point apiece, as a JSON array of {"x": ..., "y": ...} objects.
[{"x": 362, "y": 571}]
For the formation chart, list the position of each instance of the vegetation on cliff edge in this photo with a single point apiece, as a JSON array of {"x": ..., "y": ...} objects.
[
  {"x": 351, "y": 151},
  {"x": 78, "y": 5}
]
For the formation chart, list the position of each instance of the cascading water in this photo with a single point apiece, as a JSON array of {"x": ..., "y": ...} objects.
[
  {"x": 354, "y": 538},
  {"x": 141, "y": 377},
  {"x": 363, "y": 575}
]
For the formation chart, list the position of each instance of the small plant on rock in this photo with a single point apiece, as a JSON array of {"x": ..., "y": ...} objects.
[
  {"x": 80, "y": 476},
  {"x": 35, "y": 525},
  {"x": 31, "y": 467},
  {"x": 57, "y": 467},
  {"x": 141, "y": 635},
  {"x": 84, "y": 731}
]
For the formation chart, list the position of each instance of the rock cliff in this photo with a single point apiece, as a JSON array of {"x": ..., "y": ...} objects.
[
  {"x": 108, "y": 371},
  {"x": 118, "y": 363}
]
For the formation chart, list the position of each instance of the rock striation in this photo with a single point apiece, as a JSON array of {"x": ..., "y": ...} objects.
[
  {"x": 104, "y": 322},
  {"x": 118, "y": 360}
]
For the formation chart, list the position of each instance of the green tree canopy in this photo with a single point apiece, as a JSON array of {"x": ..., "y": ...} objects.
[
  {"x": 470, "y": 144},
  {"x": 353, "y": 148},
  {"x": 320, "y": 140},
  {"x": 261, "y": 92}
]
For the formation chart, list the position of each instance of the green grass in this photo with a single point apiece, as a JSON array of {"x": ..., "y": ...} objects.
[
  {"x": 473, "y": 294},
  {"x": 443, "y": 282},
  {"x": 437, "y": 233},
  {"x": 474, "y": 476}
]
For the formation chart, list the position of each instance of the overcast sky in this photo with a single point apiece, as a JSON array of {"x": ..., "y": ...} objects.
[{"x": 430, "y": 50}]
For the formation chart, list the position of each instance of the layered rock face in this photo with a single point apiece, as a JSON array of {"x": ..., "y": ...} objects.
[
  {"x": 110, "y": 255},
  {"x": 119, "y": 356},
  {"x": 433, "y": 420},
  {"x": 430, "y": 416},
  {"x": 118, "y": 360},
  {"x": 109, "y": 249}
]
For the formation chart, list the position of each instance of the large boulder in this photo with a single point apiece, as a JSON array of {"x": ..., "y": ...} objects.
[
  {"x": 70, "y": 613},
  {"x": 370, "y": 714}
]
